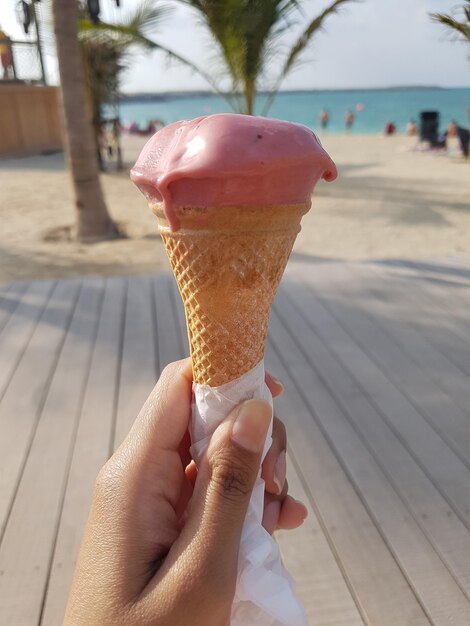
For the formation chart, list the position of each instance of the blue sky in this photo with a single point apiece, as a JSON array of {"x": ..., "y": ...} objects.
[{"x": 372, "y": 43}]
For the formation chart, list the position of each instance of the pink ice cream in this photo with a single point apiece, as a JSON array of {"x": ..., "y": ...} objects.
[{"x": 230, "y": 160}]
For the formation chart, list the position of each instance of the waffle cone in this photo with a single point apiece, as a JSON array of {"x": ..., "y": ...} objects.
[{"x": 228, "y": 265}]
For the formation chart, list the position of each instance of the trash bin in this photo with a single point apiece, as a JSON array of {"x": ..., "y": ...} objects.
[{"x": 429, "y": 127}]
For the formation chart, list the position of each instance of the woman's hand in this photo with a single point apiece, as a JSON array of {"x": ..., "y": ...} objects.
[{"x": 161, "y": 543}]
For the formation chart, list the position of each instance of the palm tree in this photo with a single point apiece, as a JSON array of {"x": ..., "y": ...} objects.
[
  {"x": 92, "y": 218},
  {"x": 247, "y": 34},
  {"x": 460, "y": 28}
]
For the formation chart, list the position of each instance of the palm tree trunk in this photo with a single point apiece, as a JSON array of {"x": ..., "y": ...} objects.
[
  {"x": 249, "y": 93},
  {"x": 92, "y": 218}
]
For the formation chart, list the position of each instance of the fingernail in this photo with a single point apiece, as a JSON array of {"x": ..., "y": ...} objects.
[
  {"x": 271, "y": 515},
  {"x": 276, "y": 380},
  {"x": 251, "y": 425},
  {"x": 280, "y": 469}
]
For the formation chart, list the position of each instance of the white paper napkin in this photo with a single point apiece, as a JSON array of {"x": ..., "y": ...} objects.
[{"x": 264, "y": 594}]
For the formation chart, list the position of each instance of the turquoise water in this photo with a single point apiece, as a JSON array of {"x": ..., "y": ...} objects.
[{"x": 304, "y": 107}]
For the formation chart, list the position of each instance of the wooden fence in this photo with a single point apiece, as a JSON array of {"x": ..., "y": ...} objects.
[{"x": 30, "y": 121}]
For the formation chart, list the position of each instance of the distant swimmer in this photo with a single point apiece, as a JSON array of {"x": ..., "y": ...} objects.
[
  {"x": 390, "y": 128},
  {"x": 349, "y": 120},
  {"x": 324, "y": 118}
]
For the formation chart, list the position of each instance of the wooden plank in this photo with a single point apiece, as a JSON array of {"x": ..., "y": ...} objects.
[
  {"x": 389, "y": 308},
  {"x": 170, "y": 347},
  {"x": 451, "y": 296},
  {"x": 4, "y": 289},
  {"x": 433, "y": 296},
  {"x": 450, "y": 475},
  {"x": 448, "y": 291},
  {"x": 27, "y": 544},
  {"x": 180, "y": 317},
  {"x": 440, "y": 411},
  {"x": 447, "y": 330},
  {"x": 320, "y": 584},
  {"x": 440, "y": 270},
  {"x": 22, "y": 403},
  {"x": 91, "y": 450},
  {"x": 20, "y": 327},
  {"x": 434, "y": 312},
  {"x": 139, "y": 358},
  {"x": 370, "y": 570},
  {"x": 447, "y": 534},
  {"x": 10, "y": 296}
]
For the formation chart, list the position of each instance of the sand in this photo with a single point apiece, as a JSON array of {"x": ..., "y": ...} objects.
[{"x": 390, "y": 201}]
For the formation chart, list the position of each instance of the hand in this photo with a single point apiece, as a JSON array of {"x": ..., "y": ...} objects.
[{"x": 161, "y": 544}]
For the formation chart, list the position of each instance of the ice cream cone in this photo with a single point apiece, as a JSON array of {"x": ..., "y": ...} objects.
[
  {"x": 229, "y": 192},
  {"x": 228, "y": 265}
]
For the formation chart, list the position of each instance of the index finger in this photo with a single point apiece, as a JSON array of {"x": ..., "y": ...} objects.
[{"x": 164, "y": 419}]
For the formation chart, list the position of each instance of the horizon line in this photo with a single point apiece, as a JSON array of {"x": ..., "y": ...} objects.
[{"x": 209, "y": 92}]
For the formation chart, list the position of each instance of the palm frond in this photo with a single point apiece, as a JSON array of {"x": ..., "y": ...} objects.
[
  {"x": 457, "y": 27},
  {"x": 126, "y": 35},
  {"x": 300, "y": 45},
  {"x": 148, "y": 16},
  {"x": 121, "y": 34}
]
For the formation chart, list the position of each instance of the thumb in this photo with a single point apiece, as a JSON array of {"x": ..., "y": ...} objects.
[{"x": 226, "y": 476}]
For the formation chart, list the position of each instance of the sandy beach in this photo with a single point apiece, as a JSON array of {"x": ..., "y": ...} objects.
[{"x": 389, "y": 201}]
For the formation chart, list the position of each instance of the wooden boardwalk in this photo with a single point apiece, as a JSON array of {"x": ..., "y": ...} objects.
[{"x": 375, "y": 358}]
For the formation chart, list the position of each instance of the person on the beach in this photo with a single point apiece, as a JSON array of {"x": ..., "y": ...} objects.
[
  {"x": 390, "y": 128},
  {"x": 463, "y": 134},
  {"x": 5, "y": 55},
  {"x": 324, "y": 119},
  {"x": 452, "y": 129},
  {"x": 161, "y": 543},
  {"x": 349, "y": 120},
  {"x": 411, "y": 129}
]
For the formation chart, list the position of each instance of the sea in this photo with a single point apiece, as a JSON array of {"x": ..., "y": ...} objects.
[{"x": 372, "y": 108}]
